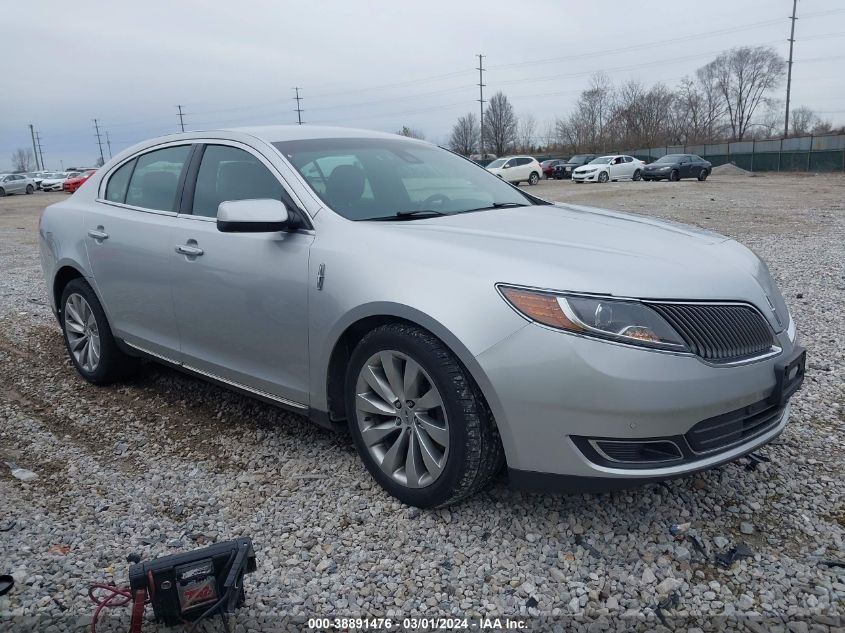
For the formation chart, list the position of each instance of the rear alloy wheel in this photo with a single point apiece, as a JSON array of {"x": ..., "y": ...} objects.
[
  {"x": 418, "y": 421},
  {"x": 604, "y": 177},
  {"x": 29, "y": 189},
  {"x": 674, "y": 176},
  {"x": 88, "y": 338},
  {"x": 702, "y": 175},
  {"x": 533, "y": 179}
]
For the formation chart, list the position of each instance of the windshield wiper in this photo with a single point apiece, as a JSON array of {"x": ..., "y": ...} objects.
[
  {"x": 497, "y": 205},
  {"x": 413, "y": 214}
]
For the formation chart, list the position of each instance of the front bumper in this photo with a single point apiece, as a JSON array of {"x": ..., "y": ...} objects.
[
  {"x": 656, "y": 175},
  {"x": 575, "y": 388},
  {"x": 591, "y": 177}
]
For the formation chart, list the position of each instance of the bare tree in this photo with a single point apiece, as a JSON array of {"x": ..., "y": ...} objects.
[
  {"x": 411, "y": 132},
  {"x": 802, "y": 121},
  {"x": 549, "y": 136},
  {"x": 527, "y": 130},
  {"x": 464, "y": 139},
  {"x": 23, "y": 160},
  {"x": 744, "y": 76},
  {"x": 770, "y": 123},
  {"x": 500, "y": 125}
]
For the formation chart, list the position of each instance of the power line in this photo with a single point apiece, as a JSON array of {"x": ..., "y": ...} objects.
[
  {"x": 99, "y": 141},
  {"x": 181, "y": 118},
  {"x": 34, "y": 150},
  {"x": 298, "y": 110},
  {"x": 481, "y": 104},
  {"x": 789, "y": 68}
]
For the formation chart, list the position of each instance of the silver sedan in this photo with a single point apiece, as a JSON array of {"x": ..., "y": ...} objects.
[
  {"x": 16, "y": 183},
  {"x": 454, "y": 323}
]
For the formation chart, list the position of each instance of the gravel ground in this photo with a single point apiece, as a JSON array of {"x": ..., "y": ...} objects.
[{"x": 167, "y": 462}]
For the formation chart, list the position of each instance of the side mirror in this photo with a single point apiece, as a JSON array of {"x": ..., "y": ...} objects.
[
  {"x": 506, "y": 166},
  {"x": 254, "y": 216}
]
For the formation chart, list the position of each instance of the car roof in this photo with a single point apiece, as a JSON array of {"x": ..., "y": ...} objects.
[{"x": 279, "y": 133}]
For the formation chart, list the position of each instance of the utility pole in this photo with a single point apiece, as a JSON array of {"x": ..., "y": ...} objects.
[
  {"x": 34, "y": 150},
  {"x": 789, "y": 68},
  {"x": 481, "y": 104},
  {"x": 298, "y": 109},
  {"x": 99, "y": 141},
  {"x": 40, "y": 151},
  {"x": 181, "y": 118},
  {"x": 108, "y": 142}
]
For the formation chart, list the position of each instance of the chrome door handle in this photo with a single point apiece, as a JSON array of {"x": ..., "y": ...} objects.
[
  {"x": 98, "y": 234},
  {"x": 191, "y": 251}
]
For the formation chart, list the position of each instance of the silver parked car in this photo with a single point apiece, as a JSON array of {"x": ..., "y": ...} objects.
[
  {"x": 453, "y": 322},
  {"x": 16, "y": 183}
]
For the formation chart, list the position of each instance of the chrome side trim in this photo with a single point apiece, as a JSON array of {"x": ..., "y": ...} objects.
[{"x": 225, "y": 381}]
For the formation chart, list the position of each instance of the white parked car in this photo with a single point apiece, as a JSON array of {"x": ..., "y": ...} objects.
[
  {"x": 53, "y": 181},
  {"x": 517, "y": 169},
  {"x": 16, "y": 183},
  {"x": 612, "y": 167}
]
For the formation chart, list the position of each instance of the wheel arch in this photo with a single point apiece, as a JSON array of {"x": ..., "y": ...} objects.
[
  {"x": 64, "y": 275},
  {"x": 358, "y": 325}
]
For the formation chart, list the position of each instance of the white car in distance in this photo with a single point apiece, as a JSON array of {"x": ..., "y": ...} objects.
[
  {"x": 611, "y": 167},
  {"x": 517, "y": 169}
]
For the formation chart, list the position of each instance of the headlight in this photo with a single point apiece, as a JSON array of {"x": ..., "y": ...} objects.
[
  {"x": 666, "y": 167},
  {"x": 625, "y": 321},
  {"x": 590, "y": 170}
]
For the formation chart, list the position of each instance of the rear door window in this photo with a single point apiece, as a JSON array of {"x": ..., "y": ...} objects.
[{"x": 155, "y": 181}]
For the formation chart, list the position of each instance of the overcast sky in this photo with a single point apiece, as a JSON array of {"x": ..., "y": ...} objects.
[{"x": 376, "y": 64}]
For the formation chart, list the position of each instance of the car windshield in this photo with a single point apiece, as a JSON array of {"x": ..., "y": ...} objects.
[
  {"x": 669, "y": 158},
  {"x": 498, "y": 162},
  {"x": 602, "y": 160},
  {"x": 580, "y": 158},
  {"x": 374, "y": 178}
]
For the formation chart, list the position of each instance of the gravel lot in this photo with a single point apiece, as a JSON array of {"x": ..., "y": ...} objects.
[{"x": 168, "y": 462}]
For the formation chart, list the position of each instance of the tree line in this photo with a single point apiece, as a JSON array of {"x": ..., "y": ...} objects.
[{"x": 729, "y": 99}]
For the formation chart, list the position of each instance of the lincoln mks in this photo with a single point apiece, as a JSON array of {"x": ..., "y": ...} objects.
[{"x": 454, "y": 323}]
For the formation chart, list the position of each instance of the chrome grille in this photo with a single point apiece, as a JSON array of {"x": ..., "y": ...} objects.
[{"x": 719, "y": 332}]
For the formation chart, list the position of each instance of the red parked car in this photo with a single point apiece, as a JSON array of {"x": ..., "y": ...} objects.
[
  {"x": 549, "y": 166},
  {"x": 72, "y": 184}
]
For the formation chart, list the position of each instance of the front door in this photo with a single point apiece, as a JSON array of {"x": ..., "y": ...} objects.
[
  {"x": 128, "y": 237},
  {"x": 241, "y": 298}
]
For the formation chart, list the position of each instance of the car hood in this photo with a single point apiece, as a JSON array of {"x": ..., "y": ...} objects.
[
  {"x": 52, "y": 181},
  {"x": 583, "y": 249},
  {"x": 589, "y": 166},
  {"x": 660, "y": 165}
]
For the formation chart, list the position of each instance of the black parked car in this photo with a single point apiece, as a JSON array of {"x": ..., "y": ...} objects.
[
  {"x": 676, "y": 166},
  {"x": 564, "y": 170}
]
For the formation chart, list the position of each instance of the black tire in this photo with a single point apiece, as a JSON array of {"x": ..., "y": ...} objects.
[
  {"x": 674, "y": 176},
  {"x": 30, "y": 189},
  {"x": 113, "y": 364},
  {"x": 604, "y": 177},
  {"x": 2, "y": 192},
  {"x": 637, "y": 175},
  {"x": 702, "y": 175},
  {"x": 534, "y": 178},
  {"x": 475, "y": 449}
]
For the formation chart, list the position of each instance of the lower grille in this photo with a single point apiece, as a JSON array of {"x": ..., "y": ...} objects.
[
  {"x": 719, "y": 332},
  {"x": 638, "y": 451},
  {"x": 734, "y": 427}
]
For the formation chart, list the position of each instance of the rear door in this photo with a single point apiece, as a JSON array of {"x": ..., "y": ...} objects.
[
  {"x": 241, "y": 298},
  {"x": 129, "y": 240}
]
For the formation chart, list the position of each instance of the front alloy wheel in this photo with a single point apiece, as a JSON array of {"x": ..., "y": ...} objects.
[
  {"x": 418, "y": 420},
  {"x": 604, "y": 177},
  {"x": 402, "y": 419}
]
